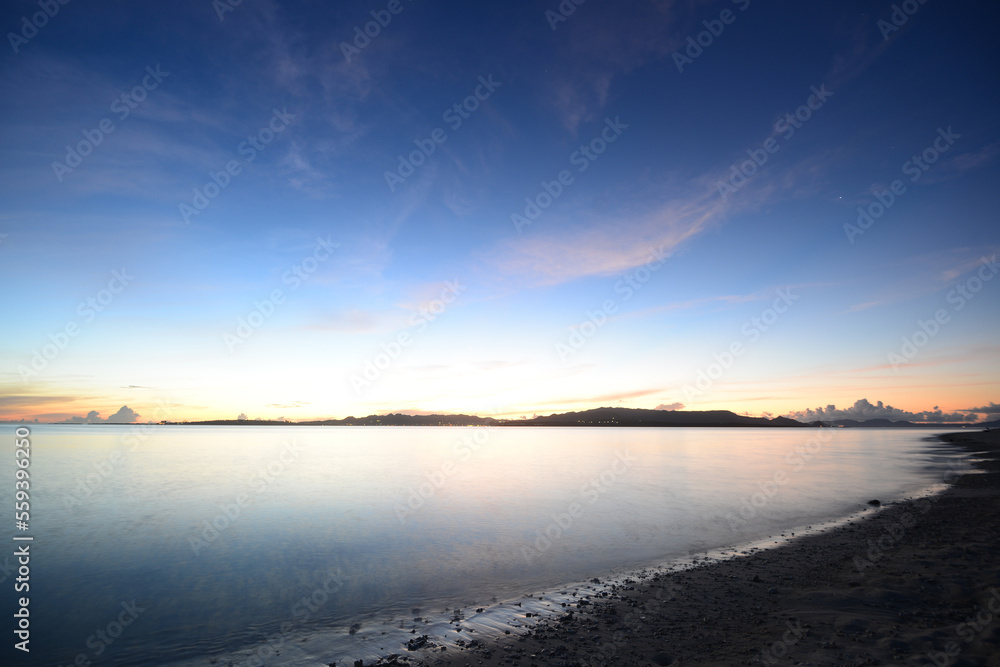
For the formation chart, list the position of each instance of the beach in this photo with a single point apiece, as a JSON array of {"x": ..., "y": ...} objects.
[{"x": 913, "y": 583}]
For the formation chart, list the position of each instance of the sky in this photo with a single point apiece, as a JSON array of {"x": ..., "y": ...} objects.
[{"x": 307, "y": 210}]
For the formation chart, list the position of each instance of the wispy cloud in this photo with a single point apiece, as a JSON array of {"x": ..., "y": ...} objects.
[
  {"x": 587, "y": 58},
  {"x": 293, "y": 404},
  {"x": 858, "y": 307},
  {"x": 354, "y": 321},
  {"x": 921, "y": 275},
  {"x": 604, "y": 246},
  {"x": 23, "y": 402},
  {"x": 609, "y": 398}
]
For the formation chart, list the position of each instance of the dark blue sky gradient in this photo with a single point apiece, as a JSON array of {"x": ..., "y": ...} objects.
[{"x": 496, "y": 349}]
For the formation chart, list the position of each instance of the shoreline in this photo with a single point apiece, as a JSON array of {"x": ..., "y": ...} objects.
[{"x": 902, "y": 586}]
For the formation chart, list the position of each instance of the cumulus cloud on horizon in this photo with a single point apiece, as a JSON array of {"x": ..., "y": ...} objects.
[
  {"x": 863, "y": 409},
  {"x": 991, "y": 411},
  {"x": 669, "y": 407},
  {"x": 125, "y": 415}
]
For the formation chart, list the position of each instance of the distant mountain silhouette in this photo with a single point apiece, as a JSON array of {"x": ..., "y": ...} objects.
[
  {"x": 880, "y": 423},
  {"x": 370, "y": 420},
  {"x": 888, "y": 423},
  {"x": 638, "y": 417},
  {"x": 596, "y": 417},
  {"x": 407, "y": 420}
]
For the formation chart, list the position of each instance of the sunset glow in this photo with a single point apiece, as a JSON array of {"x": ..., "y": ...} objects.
[{"x": 282, "y": 216}]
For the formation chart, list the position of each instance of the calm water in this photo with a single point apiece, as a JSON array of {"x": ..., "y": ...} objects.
[{"x": 208, "y": 542}]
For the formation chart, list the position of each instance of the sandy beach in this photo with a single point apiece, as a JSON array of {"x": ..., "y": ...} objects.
[{"x": 914, "y": 583}]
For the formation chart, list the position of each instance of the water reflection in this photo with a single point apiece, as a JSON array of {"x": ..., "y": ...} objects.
[{"x": 222, "y": 534}]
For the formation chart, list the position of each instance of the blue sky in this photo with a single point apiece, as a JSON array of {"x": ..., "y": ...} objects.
[{"x": 236, "y": 179}]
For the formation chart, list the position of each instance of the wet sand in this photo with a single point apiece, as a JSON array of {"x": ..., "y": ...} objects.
[{"x": 915, "y": 583}]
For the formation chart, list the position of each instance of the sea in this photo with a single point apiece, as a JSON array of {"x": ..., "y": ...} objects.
[{"x": 308, "y": 545}]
